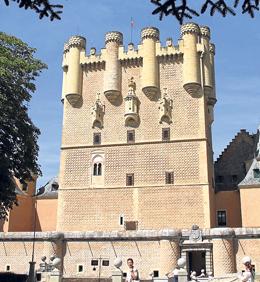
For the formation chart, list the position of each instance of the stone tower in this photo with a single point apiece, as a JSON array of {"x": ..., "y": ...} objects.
[{"x": 136, "y": 143}]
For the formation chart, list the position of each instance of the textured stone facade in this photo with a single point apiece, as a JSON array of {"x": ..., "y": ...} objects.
[{"x": 91, "y": 202}]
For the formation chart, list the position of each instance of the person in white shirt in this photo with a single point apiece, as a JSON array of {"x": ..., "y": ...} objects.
[
  {"x": 132, "y": 273},
  {"x": 248, "y": 274}
]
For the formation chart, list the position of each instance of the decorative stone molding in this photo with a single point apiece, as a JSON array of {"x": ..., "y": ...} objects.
[
  {"x": 151, "y": 33},
  {"x": 66, "y": 48},
  {"x": 97, "y": 112},
  {"x": 93, "y": 51},
  {"x": 165, "y": 108},
  {"x": 169, "y": 42},
  {"x": 212, "y": 48},
  {"x": 77, "y": 41},
  {"x": 114, "y": 36},
  {"x": 190, "y": 28},
  {"x": 131, "y": 105},
  {"x": 205, "y": 31}
]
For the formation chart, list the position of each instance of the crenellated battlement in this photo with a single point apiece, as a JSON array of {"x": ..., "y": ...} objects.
[{"x": 194, "y": 51}]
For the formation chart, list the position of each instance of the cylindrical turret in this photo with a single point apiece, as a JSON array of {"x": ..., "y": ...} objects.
[
  {"x": 169, "y": 254},
  {"x": 223, "y": 251},
  {"x": 65, "y": 70},
  {"x": 112, "y": 77},
  {"x": 191, "y": 63},
  {"x": 207, "y": 68},
  {"x": 150, "y": 77},
  {"x": 76, "y": 44},
  {"x": 212, "y": 95}
]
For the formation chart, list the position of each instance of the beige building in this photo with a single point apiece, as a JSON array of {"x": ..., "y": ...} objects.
[{"x": 137, "y": 175}]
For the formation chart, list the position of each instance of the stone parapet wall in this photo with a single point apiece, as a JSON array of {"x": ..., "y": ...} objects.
[{"x": 146, "y": 247}]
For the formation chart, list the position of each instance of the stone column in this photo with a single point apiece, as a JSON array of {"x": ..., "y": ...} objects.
[
  {"x": 223, "y": 251},
  {"x": 169, "y": 252},
  {"x": 208, "y": 260}
]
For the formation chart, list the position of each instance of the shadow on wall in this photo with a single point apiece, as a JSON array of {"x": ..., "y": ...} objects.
[{"x": 12, "y": 277}]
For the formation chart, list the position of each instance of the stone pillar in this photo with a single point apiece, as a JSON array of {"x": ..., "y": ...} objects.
[
  {"x": 208, "y": 261},
  {"x": 76, "y": 45},
  {"x": 150, "y": 76},
  {"x": 169, "y": 252},
  {"x": 117, "y": 276},
  {"x": 223, "y": 251},
  {"x": 112, "y": 76},
  {"x": 191, "y": 59}
]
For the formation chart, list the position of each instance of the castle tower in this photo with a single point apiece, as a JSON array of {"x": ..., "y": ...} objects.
[{"x": 137, "y": 157}]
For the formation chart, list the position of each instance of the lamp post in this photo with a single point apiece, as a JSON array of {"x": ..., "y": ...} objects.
[{"x": 32, "y": 263}]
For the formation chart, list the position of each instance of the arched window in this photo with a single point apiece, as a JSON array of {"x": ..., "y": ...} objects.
[
  {"x": 95, "y": 169},
  {"x": 97, "y": 163},
  {"x": 99, "y": 169}
]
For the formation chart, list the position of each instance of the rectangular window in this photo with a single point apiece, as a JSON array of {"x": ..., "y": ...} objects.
[
  {"x": 94, "y": 262},
  {"x": 222, "y": 218},
  {"x": 219, "y": 179},
  {"x": 130, "y": 136},
  {"x": 256, "y": 173},
  {"x": 129, "y": 179},
  {"x": 121, "y": 220},
  {"x": 80, "y": 268},
  {"x": 169, "y": 177},
  {"x": 105, "y": 262},
  {"x": 97, "y": 138},
  {"x": 156, "y": 273},
  {"x": 165, "y": 134},
  {"x": 8, "y": 267},
  {"x": 234, "y": 178}
]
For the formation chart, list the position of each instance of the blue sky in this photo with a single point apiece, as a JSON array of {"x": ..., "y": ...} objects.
[{"x": 237, "y": 62}]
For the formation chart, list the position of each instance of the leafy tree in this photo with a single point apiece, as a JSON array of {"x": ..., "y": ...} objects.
[
  {"x": 42, "y": 7},
  {"x": 18, "y": 135},
  {"x": 177, "y": 8},
  {"x": 180, "y": 9}
]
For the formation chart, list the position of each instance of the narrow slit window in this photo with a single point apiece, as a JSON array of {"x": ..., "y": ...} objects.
[
  {"x": 130, "y": 136},
  {"x": 97, "y": 138},
  {"x": 99, "y": 169},
  {"x": 165, "y": 134},
  {"x": 129, "y": 179},
  {"x": 169, "y": 177}
]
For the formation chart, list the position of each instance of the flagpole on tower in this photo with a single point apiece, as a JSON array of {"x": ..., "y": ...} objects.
[{"x": 132, "y": 26}]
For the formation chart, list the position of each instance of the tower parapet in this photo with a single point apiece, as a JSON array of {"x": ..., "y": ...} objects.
[
  {"x": 76, "y": 45},
  {"x": 150, "y": 77},
  {"x": 112, "y": 77},
  {"x": 191, "y": 64}
]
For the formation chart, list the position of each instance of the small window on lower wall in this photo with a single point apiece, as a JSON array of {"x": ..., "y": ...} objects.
[
  {"x": 169, "y": 177},
  {"x": 8, "y": 267},
  {"x": 80, "y": 268},
  {"x": 222, "y": 218},
  {"x": 156, "y": 273},
  {"x": 165, "y": 134},
  {"x": 105, "y": 262},
  {"x": 129, "y": 179},
  {"x": 130, "y": 136}
]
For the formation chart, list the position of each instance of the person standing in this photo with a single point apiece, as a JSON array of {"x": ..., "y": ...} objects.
[
  {"x": 248, "y": 275},
  {"x": 132, "y": 273}
]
